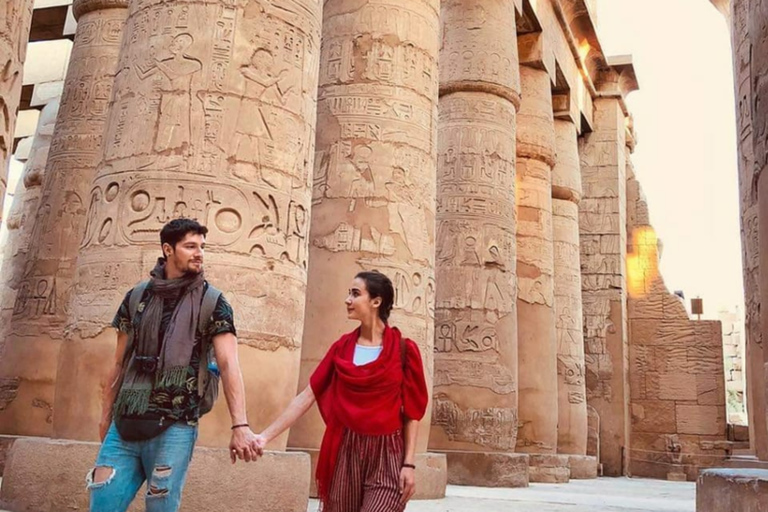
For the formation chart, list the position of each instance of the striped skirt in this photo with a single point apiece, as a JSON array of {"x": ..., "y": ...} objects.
[{"x": 367, "y": 474}]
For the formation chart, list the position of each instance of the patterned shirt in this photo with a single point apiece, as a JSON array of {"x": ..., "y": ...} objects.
[{"x": 177, "y": 403}]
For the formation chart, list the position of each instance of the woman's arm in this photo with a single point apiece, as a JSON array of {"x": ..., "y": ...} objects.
[
  {"x": 292, "y": 413},
  {"x": 408, "y": 474}
]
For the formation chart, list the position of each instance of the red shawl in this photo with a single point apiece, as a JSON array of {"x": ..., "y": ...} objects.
[{"x": 366, "y": 399}]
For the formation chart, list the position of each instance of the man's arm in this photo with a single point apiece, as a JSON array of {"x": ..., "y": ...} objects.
[
  {"x": 110, "y": 386},
  {"x": 243, "y": 444}
]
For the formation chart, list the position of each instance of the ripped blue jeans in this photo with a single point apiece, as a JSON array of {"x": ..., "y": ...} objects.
[{"x": 162, "y": 461}]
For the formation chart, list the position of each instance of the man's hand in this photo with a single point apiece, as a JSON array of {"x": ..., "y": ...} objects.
[
  {"x": 407, "y": 484},
  {"x": 245, "y": 445}
]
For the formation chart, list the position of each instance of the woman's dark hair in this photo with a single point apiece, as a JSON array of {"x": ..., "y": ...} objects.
[
  {"x": 379, "y": 285},
  {"x": 175, "y": 231}
]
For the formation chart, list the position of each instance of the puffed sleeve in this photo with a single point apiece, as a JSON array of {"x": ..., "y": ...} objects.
[{"x": 415, "y": 395}]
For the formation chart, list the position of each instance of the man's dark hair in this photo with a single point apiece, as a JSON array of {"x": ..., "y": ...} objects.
[
  {"x": 175, "y": 231},
  {"x": 379, "y": 285}
]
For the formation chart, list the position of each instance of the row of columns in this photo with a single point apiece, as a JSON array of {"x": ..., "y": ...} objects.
[{"x": 237, "y": 116}]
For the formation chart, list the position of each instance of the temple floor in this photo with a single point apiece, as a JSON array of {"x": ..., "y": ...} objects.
[{"x": 601, "y": 495}]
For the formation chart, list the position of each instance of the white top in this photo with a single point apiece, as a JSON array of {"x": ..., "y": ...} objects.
[{"x": 365, "y": 355}]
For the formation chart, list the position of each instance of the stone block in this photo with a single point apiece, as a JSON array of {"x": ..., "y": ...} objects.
[
  {"x": 483, "y": 469},
  {"x": 677, "y": 386},
  {"x": 583, "y": 467},
  {"x": 47, "y": 61},
  {"x": 653, "y": 416},
  {"x": 45, "y": 475},
  {"x": 700, "y": 419},
  {"x": 26, "y": 123},
  {"x": 45, "y": 92},
  {"x": 742, "y": 490},
  {"x": 431, "y": 474},
  {"x": 549, "y": 469}
]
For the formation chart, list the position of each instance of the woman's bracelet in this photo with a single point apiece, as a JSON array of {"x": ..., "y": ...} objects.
[
  {"x": 240, "y": 425},
  {"x": 412, "y": 466}
]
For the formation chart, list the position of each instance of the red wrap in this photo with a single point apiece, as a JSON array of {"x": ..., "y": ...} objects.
[{"x": 365, "y": 399}]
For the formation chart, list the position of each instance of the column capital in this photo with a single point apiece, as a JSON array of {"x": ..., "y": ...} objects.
[
  {"x": 534, "y": 52},
  {"x": 81, "y": 7},
  {"x": 619, "y": 77}
]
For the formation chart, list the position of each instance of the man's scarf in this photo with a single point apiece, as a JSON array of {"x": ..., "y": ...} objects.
[
  {"x": 175, "y": 351},
  {"x": 367, "y": 399}
]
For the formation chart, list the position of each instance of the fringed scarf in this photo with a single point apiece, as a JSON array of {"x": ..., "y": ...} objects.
[
  {"x": 367, "y": 399},
  {"x": 175, "y": 352}
]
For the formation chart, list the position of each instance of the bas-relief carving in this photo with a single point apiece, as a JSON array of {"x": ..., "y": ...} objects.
[
  {"x": 493, "y": 427},
  {"x": 467, "y": 372},
  {"x": 228, "y": 91},
  {"x": 572, "y": 371}
]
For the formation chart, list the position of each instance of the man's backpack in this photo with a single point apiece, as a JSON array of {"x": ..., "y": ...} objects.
[{"x": 208, "y": 374}]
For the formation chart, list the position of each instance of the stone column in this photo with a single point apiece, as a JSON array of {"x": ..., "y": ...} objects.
[
  {"x": 15, "y": 20},
  {"x": 21, "y": 221},
  {"x": 535, "y": 273},
  {"x": 40, "y": 309},
  {"x": 758, "y": 30},
  {"x": 603, "y": 238},
  {"x": 476, "y": 312},
  {"x": 572, "y": 398},
  {"x": 212, "y": 117},
  {"x": 755, "y": 354},
  {"x": 374, "y": 180}
]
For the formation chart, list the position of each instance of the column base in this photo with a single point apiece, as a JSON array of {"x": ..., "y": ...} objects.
[
  {"x": 583, "y": 467},
  {"x": 732, "y": 489},
  {"x": 487, "y": 469},
  {"x": 548, "y": 468},
  {"x": 431, "y": 474},
  {"x": 48, "y": 475}
]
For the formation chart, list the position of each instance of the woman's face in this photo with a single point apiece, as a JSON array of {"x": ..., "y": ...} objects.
[{"x": 359, "y": 304}]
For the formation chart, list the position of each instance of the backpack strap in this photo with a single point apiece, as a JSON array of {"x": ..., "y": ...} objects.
[
  {"x": 133, "y": 307},
  {"x": 210, "y": 299},
  {"x": 403, "y": 347}
]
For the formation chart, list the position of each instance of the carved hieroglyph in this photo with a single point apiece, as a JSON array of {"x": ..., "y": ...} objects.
[
  {"x": 15, "y": 20},
  {"x": 602, "y": 226},
  {"x": 537, "y": 339},
  {"x": 476, "y": 316},
  {"x": 212, "y": 118},
  {"x": 374, "y": 177},
  {"x": 40, "y": 308},
  {"x": 15, "y": 396},
  {"x": 566, "y": 191}
]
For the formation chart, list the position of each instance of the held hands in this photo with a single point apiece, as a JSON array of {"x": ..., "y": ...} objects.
[
  {"x": 407, "y": 484},
  {"x": 245, "y": 445}
]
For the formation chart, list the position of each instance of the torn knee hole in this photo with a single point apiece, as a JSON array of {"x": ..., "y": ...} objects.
[
  {"x": 100, "y": 476},
  {"x": 162, "y": 471},
  {"x": 156, "y": 491}
]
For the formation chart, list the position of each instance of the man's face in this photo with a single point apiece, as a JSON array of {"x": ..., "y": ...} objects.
[{"x": 187, "y": 256}]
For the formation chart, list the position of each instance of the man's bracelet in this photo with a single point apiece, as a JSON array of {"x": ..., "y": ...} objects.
[
  {"x": 412, "y": 466},
  {"x": 240, "y": 425}
]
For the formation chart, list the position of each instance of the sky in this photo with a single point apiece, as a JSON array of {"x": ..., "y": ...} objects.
[{"x": 686, "y": 158}]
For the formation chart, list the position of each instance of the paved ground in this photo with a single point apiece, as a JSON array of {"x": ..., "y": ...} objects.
[{"x": 603, "y": 495}]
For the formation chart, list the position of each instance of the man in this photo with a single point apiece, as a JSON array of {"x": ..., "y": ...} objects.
[{"x": 164, "y": 377}]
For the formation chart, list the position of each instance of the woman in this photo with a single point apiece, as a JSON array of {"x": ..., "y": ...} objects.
[{"x": 371, "y": 392}]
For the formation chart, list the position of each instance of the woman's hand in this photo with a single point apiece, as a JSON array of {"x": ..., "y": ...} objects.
[{"x": 407, "y": 484}]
